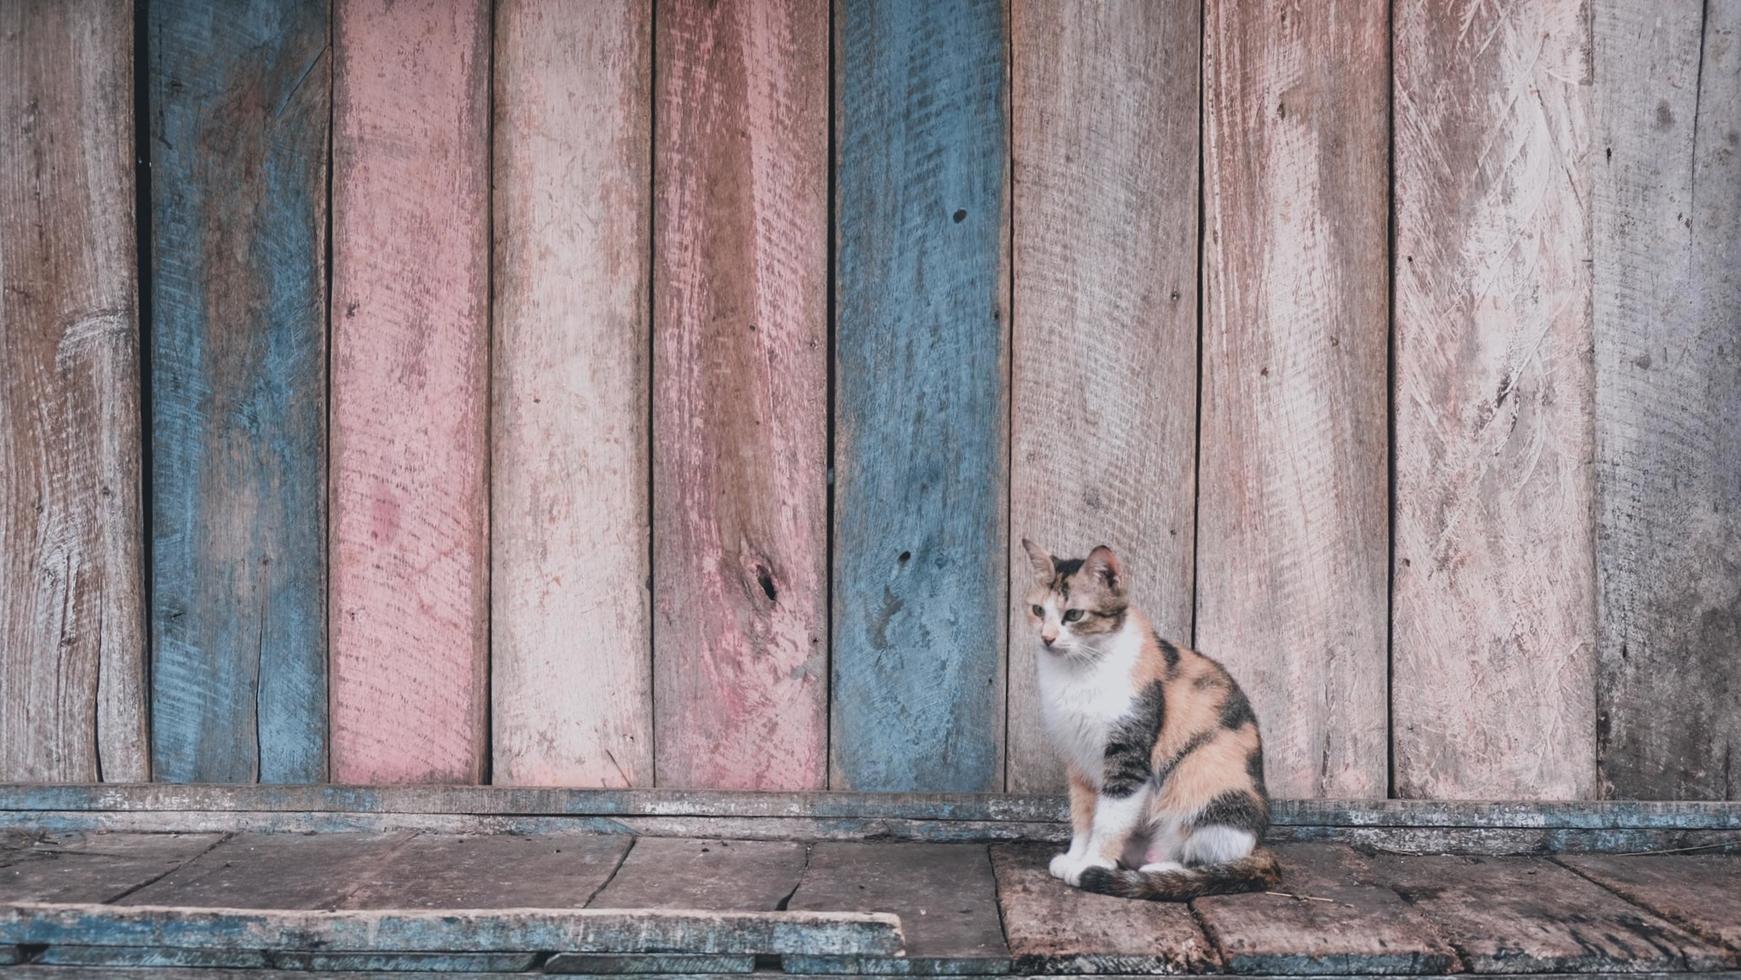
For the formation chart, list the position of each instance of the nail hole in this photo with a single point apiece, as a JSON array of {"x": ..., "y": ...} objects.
[
  {"x": 960, "y": 216},
  {"x": 906, "y": 556},
  {"x": 766, "y": 581}
]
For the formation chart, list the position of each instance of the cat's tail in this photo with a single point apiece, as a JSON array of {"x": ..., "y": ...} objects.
[{"x": 1257, "y": 871}]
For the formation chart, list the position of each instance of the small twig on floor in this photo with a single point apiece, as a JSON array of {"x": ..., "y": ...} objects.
[{"x": 1300, "y": 898}]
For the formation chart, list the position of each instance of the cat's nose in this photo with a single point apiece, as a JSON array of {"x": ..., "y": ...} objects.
[{"x": 1048, "y": 638}]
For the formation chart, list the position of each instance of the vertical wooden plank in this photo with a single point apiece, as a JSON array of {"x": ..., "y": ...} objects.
[
  {"x": 240, "y": 98},
  {"x": 72, "y": 624},
  {"x": 740, "y": 394},
  {"x": 1292, "y": 545},
  {"x": 1494, "y": 586},
  {"x": 1103, "y": 416},
  {"x": 571, "y": 684},
  {"x": 921, "y": 403},
  {"x": 1667, "y": 248},
  {"x": 409, "y": 294}
]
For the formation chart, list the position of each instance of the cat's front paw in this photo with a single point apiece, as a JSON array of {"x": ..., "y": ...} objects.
[{"x": 1070, "y": 869}]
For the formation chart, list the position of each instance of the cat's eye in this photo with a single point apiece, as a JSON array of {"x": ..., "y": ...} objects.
[
  {"x": 1040, "y": 611},
  {"x": 1073, "y": 615}
]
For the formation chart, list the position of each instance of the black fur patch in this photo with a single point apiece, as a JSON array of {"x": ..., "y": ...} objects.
[
  {"x": 1237, "y": 809},
  {"x": 1132, "y": 741},
  {"x": 1062, "y": 569},
  {"x": 1097, "y": 880},
  {"x": 1168, "y": 651},
  {"x": 1236, "y": 710},
  {"x": 1254, "y": 768}
]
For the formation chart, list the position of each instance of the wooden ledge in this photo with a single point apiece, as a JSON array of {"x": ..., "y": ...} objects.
[
  {"x": 1410, "y": 826},
  {"x": 991, "y": 808}
]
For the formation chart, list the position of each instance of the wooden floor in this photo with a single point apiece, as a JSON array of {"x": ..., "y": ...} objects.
[{"x": 101, "y": 904}]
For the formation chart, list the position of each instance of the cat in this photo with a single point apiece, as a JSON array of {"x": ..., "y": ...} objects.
[{"x": 1165, "y": 763}]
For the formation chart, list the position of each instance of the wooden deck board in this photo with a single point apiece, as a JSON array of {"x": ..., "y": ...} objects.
[
  {"x": 92, "y": 867},
  {"x": 452, "y": 930},
  {"x": 491, "y": 871},
  {"x": 1341, "y": 921},
  {"x": 679, "y": 873},
  {"x": 272, "y": 871},
  {"x": 945, "y": 895},
  {"x": 383, "y": 903},
  {"x": 1054, "y": 929},
  {"x": 1700, "y": 893},
  {"x": 1525, "y": 915}
]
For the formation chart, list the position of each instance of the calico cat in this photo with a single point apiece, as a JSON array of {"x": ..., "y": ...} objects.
[{"x": 1167, "y": 799}]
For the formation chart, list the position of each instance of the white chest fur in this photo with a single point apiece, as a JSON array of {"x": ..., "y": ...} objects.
[{"x": 1080, "y": 701}]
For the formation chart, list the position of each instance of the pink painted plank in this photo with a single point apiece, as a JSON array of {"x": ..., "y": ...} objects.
[
  {"x": 409, "y": 293},
  {"x": 1494, "y": 595},
  {"x": 1291, "y": 528},
  {"x": 1105, "y": 102},
  {"x": 571, "y": 616},
  {"x": 740, "y": 400}
]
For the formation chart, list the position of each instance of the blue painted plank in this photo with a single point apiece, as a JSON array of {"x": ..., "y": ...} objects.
[
  {"x": 239, "y": 112},
  {"x": 922, "y": 401}
]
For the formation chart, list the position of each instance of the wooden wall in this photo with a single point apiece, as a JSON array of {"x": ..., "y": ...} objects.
[{"x": 469, "y": 391}]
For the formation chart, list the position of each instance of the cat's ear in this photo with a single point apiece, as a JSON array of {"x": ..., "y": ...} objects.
[
  {"x": 1040, "y": 560},
  {"x": 1103, "y": 565}
]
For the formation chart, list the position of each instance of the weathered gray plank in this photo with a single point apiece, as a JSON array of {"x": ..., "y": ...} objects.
[
  {"x": 1700, "y": 893},
  {"x": 73, "y": 973},
  {"x": 95, "y": 867},
  {"x": 202, "y": 973},
  {"x": 271, "y": 871},
  {"x": 1338, "y": 920},
  {"x": 732, "y": 828},
  {"x": 684, "y": 964},
  {"x": 442, "y": 964},
  {"x": 678, "y": 873},
  {"x": 945, "y": 895},
  {"x": 485, "y": 801},
  {"x": 1524, "y": 914},
  {"x": 72, "y": 615},
  {"x": 451, "y": 930},
  {"x": 1510, "y": 841},
  {"x": 161, "y": 957},
  {"x": 494, "y": 871},
  {"x": 1667, "y": 251},
  {"x": 1053, "y": 928}
]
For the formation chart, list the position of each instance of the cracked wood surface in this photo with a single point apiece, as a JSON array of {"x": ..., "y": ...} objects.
[{"x": 72, "y": 617}]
